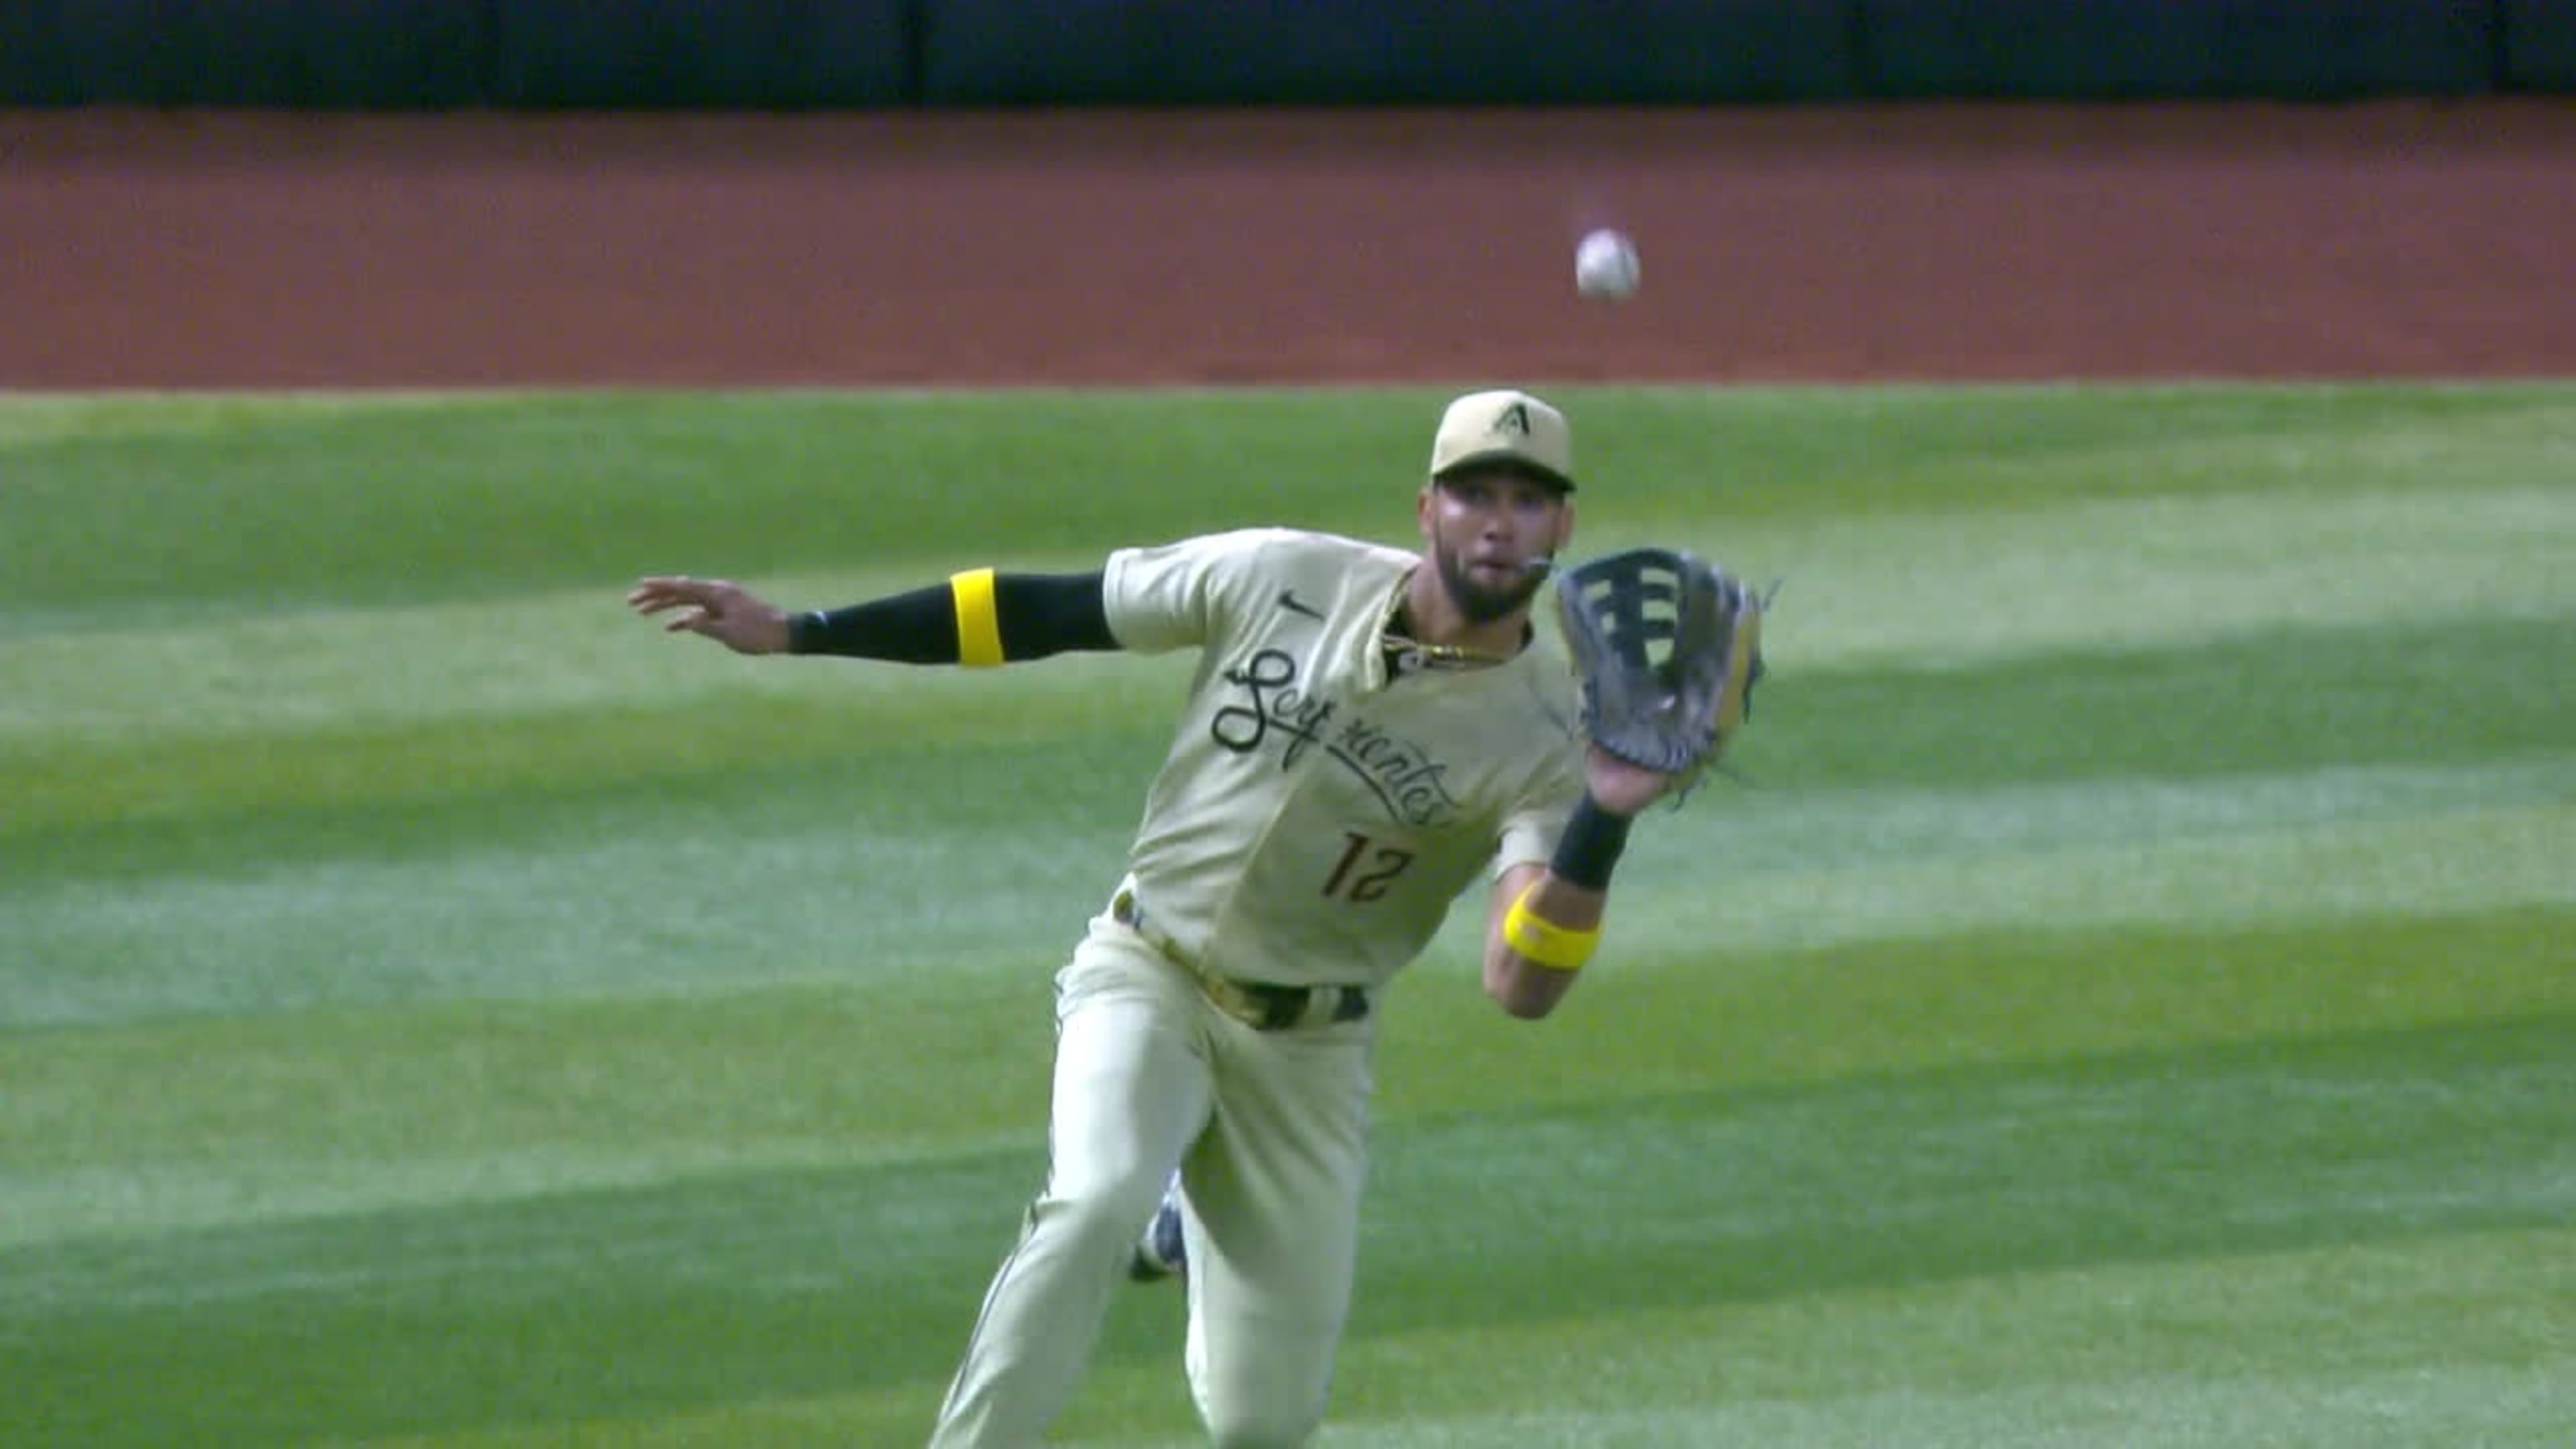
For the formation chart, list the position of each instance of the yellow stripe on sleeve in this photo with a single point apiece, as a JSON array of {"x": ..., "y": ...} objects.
[{"x": 979, "y": 626}]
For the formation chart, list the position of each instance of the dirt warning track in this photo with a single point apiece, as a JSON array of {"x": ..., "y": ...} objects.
[{"x": 205, "y": 250}]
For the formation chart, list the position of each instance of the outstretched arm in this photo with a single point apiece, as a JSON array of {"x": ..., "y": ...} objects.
[
  {"x": 979, "y": 617},
  {"x": 1542, "y": 922}
]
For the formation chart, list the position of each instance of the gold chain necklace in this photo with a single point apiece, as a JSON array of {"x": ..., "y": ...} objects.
[{"x": 1408, "y": 655}]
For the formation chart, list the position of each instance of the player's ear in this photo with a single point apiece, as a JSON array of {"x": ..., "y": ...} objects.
[
  {"x": 1564, "y": 526},
  {"x": 1423, "y": 507}
]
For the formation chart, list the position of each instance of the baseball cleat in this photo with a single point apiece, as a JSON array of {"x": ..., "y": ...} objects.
[{"x": 1160, "y": 1253}]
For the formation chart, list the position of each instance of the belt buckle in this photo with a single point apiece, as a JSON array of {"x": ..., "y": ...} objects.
[
  {"x": 1259, "y": 1005},
  {"x": 1282, "y": 1007},
  {"x": 1231, "y": 998},
  {"x": 1285, "y": 1008}
]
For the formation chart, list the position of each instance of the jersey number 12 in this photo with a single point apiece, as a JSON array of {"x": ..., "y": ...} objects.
[{"x": 1383, "y": 864}]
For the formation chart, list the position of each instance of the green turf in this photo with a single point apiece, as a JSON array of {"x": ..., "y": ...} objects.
[{"x": 2128, "y": 999}]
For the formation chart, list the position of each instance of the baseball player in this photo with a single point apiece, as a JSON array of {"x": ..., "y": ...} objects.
[{"x": 1368, "y": 731}]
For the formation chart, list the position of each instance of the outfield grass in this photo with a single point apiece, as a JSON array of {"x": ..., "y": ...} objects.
[{"x": 2129, "y": 998}]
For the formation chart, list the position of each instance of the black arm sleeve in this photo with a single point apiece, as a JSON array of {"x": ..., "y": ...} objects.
[{"x": 1038, "y": 615}]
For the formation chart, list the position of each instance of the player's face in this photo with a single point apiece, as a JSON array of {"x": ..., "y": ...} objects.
[{"x": 1490, "y": 529}]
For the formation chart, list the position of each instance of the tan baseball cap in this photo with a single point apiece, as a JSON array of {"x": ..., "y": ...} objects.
[{"x": 1505, "y": 426}]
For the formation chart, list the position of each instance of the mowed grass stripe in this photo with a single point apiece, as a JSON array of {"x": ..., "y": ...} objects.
[
  {"x": 248, "y": 505},
  {"x": 280, "y": 505},
  {"x": 2120, "y": 576},
  {"x": 699, "y": 732},
  {"x": 2461, "y": 1313},
  {"x": 2297, "y": 697},
  {"x": 1777, "y": 1191},
  {"x": 2504, "y": 859},
  {"x": 757, "y": 1286},
  {"x": 675, "y": 893},
  {"x": 2441, "y": 1341},
  {"x": 1766, "y": 828},
  {"x": 685, "y": 885},
  {"x": 335, "y": 1112},
  {"x": 2470, "y": 1404},
  {"x": 535, "y": 656},
  {"x": 1681, "y": 1015}
]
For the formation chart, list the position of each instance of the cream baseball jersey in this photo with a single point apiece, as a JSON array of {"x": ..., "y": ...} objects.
[{"x": 1319, "y": 812}]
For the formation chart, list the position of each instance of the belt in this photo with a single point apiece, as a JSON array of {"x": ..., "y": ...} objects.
[{"x": 1261, "y": 1005}]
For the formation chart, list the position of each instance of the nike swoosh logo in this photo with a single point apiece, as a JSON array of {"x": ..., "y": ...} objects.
[{"x": 1288, "y": 600}]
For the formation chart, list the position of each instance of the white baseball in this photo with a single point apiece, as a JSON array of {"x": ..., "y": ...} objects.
[{"x": 1605, "y": 265}]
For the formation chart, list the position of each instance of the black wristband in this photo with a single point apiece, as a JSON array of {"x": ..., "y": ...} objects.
[
  {"x": 1589, "y": 849},
  {"x": 802, "y": 631}
]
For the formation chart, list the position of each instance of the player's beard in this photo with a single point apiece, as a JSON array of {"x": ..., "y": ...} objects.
[{"x": 1478, "y": 603}]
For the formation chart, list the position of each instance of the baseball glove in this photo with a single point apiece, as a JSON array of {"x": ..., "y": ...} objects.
[{"x": 1668, "y": 648}]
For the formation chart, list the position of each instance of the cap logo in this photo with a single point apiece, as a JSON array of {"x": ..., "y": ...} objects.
[{"x": 1514, "y": 422}]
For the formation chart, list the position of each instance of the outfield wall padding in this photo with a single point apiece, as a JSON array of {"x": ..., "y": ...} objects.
[
  {"x": 31, "y": 69},
  {"x": 315, "y": 54},
  {"x": 2539, "y": 45},
  {"x": 1341, "y": 52},
  {"x": 2183, "y": 49},
  {"x": 701, "y": 54},
  {"x": 879, "y": 54}
]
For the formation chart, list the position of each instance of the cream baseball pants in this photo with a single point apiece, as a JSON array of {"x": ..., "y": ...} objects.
[{"x": 1269, "y": 1132}]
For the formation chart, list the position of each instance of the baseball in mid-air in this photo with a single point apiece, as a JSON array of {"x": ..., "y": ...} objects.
[{"x": 1605, "y": 265}]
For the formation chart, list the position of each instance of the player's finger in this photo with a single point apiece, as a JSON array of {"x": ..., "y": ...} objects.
[
  {"x": 654, "y": 595},
  {"x": 675, "y": 586}
]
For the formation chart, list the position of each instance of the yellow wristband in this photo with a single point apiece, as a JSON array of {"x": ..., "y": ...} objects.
[
  {"x": 1541, "y": 940},
  {"x": 979, "y": 625}
]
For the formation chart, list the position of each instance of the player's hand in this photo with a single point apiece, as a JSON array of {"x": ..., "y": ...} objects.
[
  {"x": 1622, "y": 788},
  {"x": 727, "y": 613}
]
